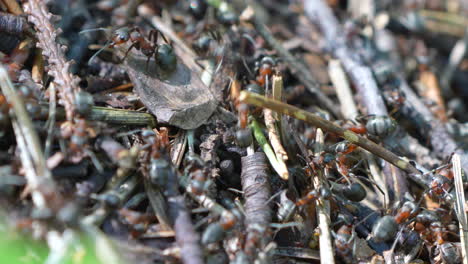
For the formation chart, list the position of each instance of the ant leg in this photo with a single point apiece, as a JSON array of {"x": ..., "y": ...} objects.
[
  {"x": 128, "y": 50},
  {"x": 164, "y": 37},
  {"x": 153, "y": 36},
  {"x": 147, "y": 62},
  {"x": 353, "y": 240}
]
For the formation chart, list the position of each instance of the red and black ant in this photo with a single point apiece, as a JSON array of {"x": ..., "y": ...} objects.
[
  {"x": 163, "y": 53},
  {"x": 266, "y": 69},
  {"x": 379, "y": 126}
]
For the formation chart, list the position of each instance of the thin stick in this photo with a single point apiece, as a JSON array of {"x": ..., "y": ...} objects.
[
  {"x": 442, "y": 143},
  {"x": 114, "y": 116},
  {"x": 460, "y": 206},
  {"x": 328, "y": 126},
  {"x": 51, "y": 119},
  {"x": 32, "y": 158},
  {"x": 343, "y": 90},
  {"x": 323, "y": 210},
  {"x": 456, "y": 56}
]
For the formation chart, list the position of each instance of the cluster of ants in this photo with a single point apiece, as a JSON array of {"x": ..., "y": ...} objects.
[{"x": 404, "y": 229}]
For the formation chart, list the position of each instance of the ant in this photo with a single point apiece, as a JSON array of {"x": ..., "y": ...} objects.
[
  {"x": 265, "y": 69},
  {"x": 343, "y": 239},
  {"x": 162, "y": 53},
  {"x": 160, "y": 168},
  {"x": 386, "y": 227},
  {"x": 313, "y": 195},
  {"x": 442, "y": 181},
  {"x": 379, "y": 126}
]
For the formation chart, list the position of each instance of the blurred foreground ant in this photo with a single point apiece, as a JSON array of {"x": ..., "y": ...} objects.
[
  {"x": 344, "y": 245},
  {"x": 163, "y": 53}
]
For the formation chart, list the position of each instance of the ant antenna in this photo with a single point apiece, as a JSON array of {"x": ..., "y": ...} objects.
[
  {"x": 93, "y": 30},
  {"x": 107, "y": 45}
]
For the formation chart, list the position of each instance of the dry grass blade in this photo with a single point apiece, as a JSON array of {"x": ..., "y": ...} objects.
[
  {"x": 343, "y": 90},
  {"x": 323, "y": 209},
  {"x": 51, "y": 118},
  {"x": 460, "y": 206},
  {"x": 32, "y": 157},
  {"x": 271, "y": 119},
  {"x": 114, "y": 116}
]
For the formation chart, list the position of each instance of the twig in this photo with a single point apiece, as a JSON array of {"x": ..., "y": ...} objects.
[
  {"x": 114, "y": 116},
  {"x": 278, "y": 164},
  {"x": 328, "y": 126},
  {"x": 33, "y": 161},
  {"x": 443, "y": 22},
  {"x": 297, "y": 252},
  {"x": 186, "y": 237},
  {"x": 59, "y": 67},
  {"x": 51, "y": 118},
  {"x": 320, "y": 14},
  {"x": 323, "y": 208},
  {"x": 456, "y": 56},
  {"x": 442, "y": 143},
  {"x": 256, "y": 187},
  {"x": 343, "y": 91},
  {"x": 460, "y": 205},
  {"x": 297, "y": 69}
]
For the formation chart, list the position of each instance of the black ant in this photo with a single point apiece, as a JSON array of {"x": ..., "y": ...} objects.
[{"x": 163, "y": 53}]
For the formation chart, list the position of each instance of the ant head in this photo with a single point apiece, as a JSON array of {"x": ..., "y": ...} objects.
[
  {"x": 268, "y": 60},
  {"x": 121, "y": 35}
]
